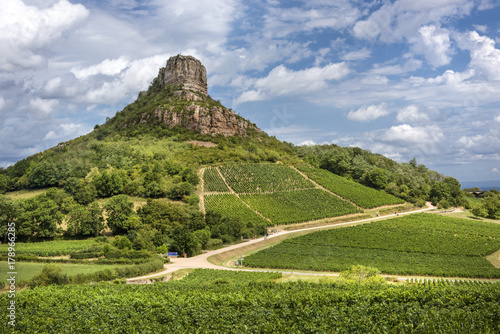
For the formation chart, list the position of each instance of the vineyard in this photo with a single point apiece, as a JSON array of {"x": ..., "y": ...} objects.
[
  {"x": 213, "y": 182},
  {"x": 422, "y": 244},
  {"x": 49, "y": 248},
  {"x": 257, "y": 307},
  {"x": 285, "y": 196},
  {"x": 230, "y": 206},
  {"x": 263, "y": 178},
  {"x": 365, "y": 197},
  {"x": 298, "y": 206},
  {"x": 212, "y": 276}
]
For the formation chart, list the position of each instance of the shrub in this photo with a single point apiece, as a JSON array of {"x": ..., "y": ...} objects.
[
  {"x": 214, "y": 244},
  {"x": 50, "y": 274}
]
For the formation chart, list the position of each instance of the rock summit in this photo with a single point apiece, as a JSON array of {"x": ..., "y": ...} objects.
[{"x": 186, "y": 71}]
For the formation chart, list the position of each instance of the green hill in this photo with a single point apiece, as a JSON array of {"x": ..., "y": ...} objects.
[{"x": 152, "y": 152}]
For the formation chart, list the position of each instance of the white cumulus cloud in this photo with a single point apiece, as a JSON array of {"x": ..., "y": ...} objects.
[
  {"x": 397, "y": 20},
  {"x": 42, "y": 107},
  {"x": 411, "y": 114},
  {"x": 282, "y": 81},
  {"x": 125, "y": 79},
  {"x": 485, "y": 57},
  {"x": 434, "y": 44},
  {"x": 106, "y": 67},
  {"x": 405, "y": 134},
  {"x": 68, "y": 130},
  {"x": 24, "y": 30},
  {"x": 357, "y": 55},
  {"x": 369, "y": 113}
]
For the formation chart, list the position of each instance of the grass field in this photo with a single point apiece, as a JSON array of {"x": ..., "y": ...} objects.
[
  {"x": 24, "y": 194},
  {"x": 465, "y": 214}
]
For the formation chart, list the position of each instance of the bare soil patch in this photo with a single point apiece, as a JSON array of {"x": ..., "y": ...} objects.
[
  {"x": 201, "y": 143},
  {"x": 494, "y": 259}
]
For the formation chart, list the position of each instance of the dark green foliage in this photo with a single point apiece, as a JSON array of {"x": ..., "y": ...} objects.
[
  {"x": 180, "y": 191},
  {"x": 108, "y": 183},
  {"x": 228, "y": 229},
  {"x": 47, "y": 174},
  {"x": 185, "y": 242},
  {"x": 214, "y": 244},
  {"x": 203, "y": 237},
  {"x": 9, "y": 212},
  {"x": 489, "y": 207},
  {"x": 4, "y": 183},
  {"x": 84, "y": 193},
  {"x": 164, "y": 216},
  {"x": 119, "y": 209},
  {"x": 85, "y": 221},
  {"x": 376, "y": 178},
  {"x": 189, "y": 175},
  {"x": 122, "y": 242},
  {"x": 51, "y": 274},
  {"x": 448, "y": 190},
  {"x": 38, "y": 218}
]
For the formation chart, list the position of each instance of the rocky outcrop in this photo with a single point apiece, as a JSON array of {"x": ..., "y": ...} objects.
[
  {"x": 185, "y": 70},
  {"x": 190, "y": 106},
  {"x": 208, "y": 121}
]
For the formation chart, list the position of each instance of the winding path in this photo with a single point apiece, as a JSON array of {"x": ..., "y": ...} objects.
[{"x": 201, "y": 261}]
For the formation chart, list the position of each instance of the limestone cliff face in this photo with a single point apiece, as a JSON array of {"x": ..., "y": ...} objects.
[
  {"x": 207, "y": 121},
  {"x": 191, "y": 107},
  {"x": 185, "y": 70}
]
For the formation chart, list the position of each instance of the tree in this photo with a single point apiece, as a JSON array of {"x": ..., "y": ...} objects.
[
  {"x": 85, "y": 221},
  {"x": 185, "y": 241},
  {"x": 479, "y": 210},
  {"x": 376, "y": 178},
  {"x": 39, "y": 218},
  {"x": 108, "y": 183},
  {"x": 179, "y": 191},
  {"x": 8, "y": 214},
  {"x": 189, "y": 175},
  {"x": 122, "y": 242},
  {"x": 84, "y": 193},
  {"x": 227, "y": 229},
  {"x": 448, "y": 189},
  {"x": 119, "y": 208},
  {"x": 488, "y": 208},
  {"x": 492, "y": 205},
  {"x": 202, "y": 236},
  {"x": 4, "y": 183},
  {"x": 154, "y": 189}
]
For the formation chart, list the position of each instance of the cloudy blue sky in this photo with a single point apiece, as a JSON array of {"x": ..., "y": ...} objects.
[{"x": 404, "y": 78}]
